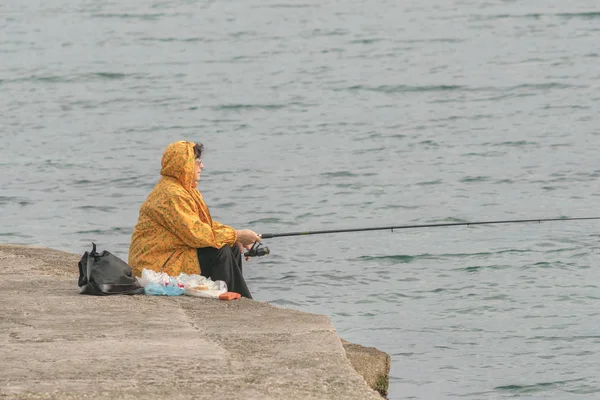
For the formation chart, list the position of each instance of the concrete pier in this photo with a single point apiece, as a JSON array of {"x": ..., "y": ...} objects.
[{"x": 58, "y": 344}]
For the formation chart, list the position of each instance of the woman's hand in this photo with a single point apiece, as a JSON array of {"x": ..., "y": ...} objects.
[
  {"x": 242, "y": 248},
  {"x": 247, "y": 237}
]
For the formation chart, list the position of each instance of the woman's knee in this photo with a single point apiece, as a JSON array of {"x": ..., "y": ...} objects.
[{"x": 224, "y": 253}]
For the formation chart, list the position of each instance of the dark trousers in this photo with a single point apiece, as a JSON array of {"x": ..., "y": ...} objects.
[{"x": 224, "y": 264}]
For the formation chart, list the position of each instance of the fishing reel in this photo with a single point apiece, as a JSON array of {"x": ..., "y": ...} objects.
[{"x": 257, "y": 250}]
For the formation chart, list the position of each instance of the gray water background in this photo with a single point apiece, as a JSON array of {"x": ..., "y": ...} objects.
[{"x": 323, "y": 115}]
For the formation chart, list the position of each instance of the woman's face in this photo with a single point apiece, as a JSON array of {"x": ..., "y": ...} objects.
[{"x": 197, "y": 169}]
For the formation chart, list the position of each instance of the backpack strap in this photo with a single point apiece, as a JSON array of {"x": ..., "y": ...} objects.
[{"x": 90, "y": 261}]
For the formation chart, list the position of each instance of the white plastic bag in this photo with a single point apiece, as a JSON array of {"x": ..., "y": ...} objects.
[
  {"x": 192, "y": 285},
  {"x": 200, "y": 286},
  {"x": 149, "y": 276}
]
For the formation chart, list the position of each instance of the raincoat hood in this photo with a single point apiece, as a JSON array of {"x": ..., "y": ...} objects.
[{"x": 178, "y": 163}]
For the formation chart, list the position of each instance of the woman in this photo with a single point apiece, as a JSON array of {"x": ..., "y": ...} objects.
[{"x": 175, "y": 232}]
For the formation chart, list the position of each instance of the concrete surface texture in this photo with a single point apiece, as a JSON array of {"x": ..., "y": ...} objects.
[
  {"x": 59, "y": 344},
  {"x": 372, "y": 364}
]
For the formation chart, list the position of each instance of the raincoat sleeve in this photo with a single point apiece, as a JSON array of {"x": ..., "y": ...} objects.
[
  {"x": 224, "y": 232},
  {"x": 180, "y": 216}
]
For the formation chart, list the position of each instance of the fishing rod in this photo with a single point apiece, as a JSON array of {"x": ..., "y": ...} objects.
[{"x": 257, "y": 251}]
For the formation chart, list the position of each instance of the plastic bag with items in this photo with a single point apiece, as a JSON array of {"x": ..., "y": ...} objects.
[
  {"x": 159, "y": 283},
  {"x": 201, "y": 286}
]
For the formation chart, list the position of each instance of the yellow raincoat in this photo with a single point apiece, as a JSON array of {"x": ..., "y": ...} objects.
[{"x": 174, "y": 220}]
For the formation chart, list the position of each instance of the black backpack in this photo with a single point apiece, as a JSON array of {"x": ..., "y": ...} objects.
[{"x": 105, "y": 274}]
